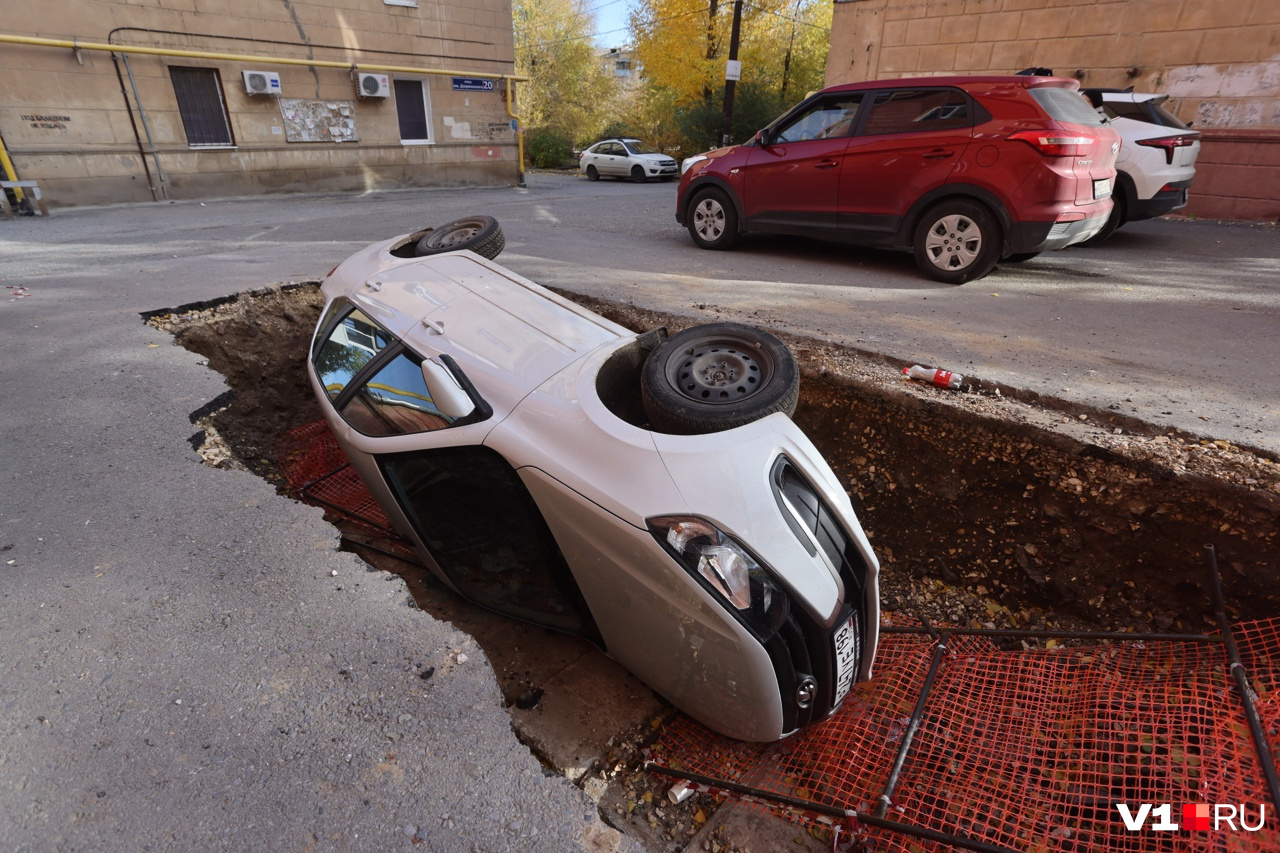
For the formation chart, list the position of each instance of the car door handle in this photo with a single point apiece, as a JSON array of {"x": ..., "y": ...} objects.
[
  {"x": 939, "y": 154},
  {"x": 825, "y": 164}
]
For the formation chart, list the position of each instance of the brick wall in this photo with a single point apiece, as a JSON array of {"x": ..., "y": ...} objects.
[
  {"x": 71, "y": 123},
  {"x": 1218, "y": 61}
]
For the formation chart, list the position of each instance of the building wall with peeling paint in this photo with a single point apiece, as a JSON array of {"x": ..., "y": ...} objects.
[
  {"x": 1219, "y": 62},
  {"x": 92, "y": 130}
]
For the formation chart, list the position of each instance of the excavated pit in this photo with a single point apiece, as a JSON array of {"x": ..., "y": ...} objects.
[
  {"x": 985, "y": 509},
  {"x": 988, "y": 507}
]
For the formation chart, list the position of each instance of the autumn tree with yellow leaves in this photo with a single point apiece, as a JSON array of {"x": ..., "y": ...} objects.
[
  {"x": 682, "y": 47},
  {"x": 570, "y": 96}
]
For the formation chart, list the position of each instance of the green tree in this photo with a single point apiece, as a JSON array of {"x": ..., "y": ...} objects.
[{"x": 570, "y": 94}]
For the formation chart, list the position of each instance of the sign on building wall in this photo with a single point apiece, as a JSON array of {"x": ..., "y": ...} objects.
[
  {"x": 318, "y": 121},
  {"x": 474, "y": 84}
]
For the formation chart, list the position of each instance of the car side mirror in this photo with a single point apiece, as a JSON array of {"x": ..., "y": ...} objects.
[
  {"x": 763, "y": 138},
  {"x": 450, "y": 398}
]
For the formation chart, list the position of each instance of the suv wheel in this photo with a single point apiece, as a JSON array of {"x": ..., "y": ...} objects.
[
  {"x": 713, "y": 223},
  {"x": 717, "y": 377},
  {"x": 957, "y": 241}
]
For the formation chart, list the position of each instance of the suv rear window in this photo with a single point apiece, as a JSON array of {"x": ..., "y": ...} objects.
[
  {"x": 1066, "y": 105},
  {"x": 1147, "y": 111}
]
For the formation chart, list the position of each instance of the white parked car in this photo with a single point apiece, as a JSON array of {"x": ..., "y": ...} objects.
[
  {"x": 649, "y": 493},
  {"x": 1157, "y": 159},
  {"x": 626, "y": 158}
]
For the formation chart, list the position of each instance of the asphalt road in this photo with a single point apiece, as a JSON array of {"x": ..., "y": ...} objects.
[{"x": 185, "y": 657}]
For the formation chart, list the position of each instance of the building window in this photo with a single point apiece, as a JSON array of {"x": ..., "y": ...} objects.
[
  {"x": 413, "y": 3},
  {"x": 204, "y": 112},
  {"x": 413, "y": 107}
]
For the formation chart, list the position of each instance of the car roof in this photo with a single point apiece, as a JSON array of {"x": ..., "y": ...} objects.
[{"x": 959, "y": 81}]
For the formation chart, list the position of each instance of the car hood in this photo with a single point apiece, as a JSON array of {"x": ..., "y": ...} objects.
[
  {"x": 508, "y": 334},
  {"x": 655, "y": 158}
]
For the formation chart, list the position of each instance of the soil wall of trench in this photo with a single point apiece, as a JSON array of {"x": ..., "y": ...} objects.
[{"x": 985, "y": 509}]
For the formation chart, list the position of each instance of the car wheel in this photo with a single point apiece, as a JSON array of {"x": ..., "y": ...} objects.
[
  {"x": 637, "y": 174},
  {"x": 713, "y": 222},
  {"x": 481, "y": 234},
  {"x": 592, "y": 174},
  {"x": 1114, "y": 221},
  {"x": 1019, "y": 257},
  {"x": 957, "y": 241},
  {"x": 717, "y": 377}
]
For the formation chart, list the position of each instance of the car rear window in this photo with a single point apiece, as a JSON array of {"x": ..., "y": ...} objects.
[
  {"x": 1148, "y": 111},
  {"x": 914, "y": 110},
  {"x": 1066, "y": 105}
]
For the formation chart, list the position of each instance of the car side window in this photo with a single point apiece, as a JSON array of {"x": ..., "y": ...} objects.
[
  {"x": 826, "y": 119},
  {"x": 395, "y": 401},
  {"x": 351, "y": 344},
  {"x": 917, "y": 110}
]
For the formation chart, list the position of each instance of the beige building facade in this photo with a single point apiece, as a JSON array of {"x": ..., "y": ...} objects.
[
  {"x": 1218, "y": 61},
  {"x": 203, "y": 98}
]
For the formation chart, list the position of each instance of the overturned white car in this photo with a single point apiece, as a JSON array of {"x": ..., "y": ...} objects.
[{"x": 650, "y": 494}]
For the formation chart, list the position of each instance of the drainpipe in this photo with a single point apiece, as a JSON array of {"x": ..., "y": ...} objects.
[
  {"x": 511, "y": 85},
  {"x": 277, "y": 60}
]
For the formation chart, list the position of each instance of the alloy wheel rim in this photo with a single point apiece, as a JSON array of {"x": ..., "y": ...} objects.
[
  {"x": 953, "y": 243},
  {"x": 708, "y": 219}
]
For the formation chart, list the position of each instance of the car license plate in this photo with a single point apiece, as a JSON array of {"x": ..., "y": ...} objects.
[
  {"x": 847, "y": 657},
  {"x": 1102, "y": 188}
]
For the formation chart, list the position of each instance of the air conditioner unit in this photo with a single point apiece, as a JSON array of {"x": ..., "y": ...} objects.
[
  {"x": 261, "y": 82},
  {"x": 373, "y": 85}
]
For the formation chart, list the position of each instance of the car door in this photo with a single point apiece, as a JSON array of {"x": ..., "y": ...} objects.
[
  {"x": 465, "y": 503},
  {"x": 791, "y": 180},
  {"x": 908, "y": 142},
  {"x": 613, "y": 159}
]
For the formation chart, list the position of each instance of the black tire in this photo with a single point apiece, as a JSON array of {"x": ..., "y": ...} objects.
[
  {"x": 481, "y": 234},
  {"x": 957, "y": 240},
  {"x": 1019, "y": 257},
  {"x": 717, "y": 377},
  {"x": 712, "y": 220},
  {"x": 1114, "y": 221},
  {"x": 637, "y": 174},
  {"x": 592, "y": 174}
]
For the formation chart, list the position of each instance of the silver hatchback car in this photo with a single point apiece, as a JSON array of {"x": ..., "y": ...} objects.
[{"x": 510, "y": 436}]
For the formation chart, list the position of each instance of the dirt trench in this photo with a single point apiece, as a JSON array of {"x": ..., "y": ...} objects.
[{"x": 986, "y": 506}]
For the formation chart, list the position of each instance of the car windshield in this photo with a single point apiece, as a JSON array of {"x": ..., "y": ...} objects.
[{"x": 635, "y": 146}]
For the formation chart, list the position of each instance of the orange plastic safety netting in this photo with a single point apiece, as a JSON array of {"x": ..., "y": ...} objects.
[
  {"x": 1029, "y": 750},
  {"x": 317, "y": 471},
  {"x": 1025, "y": 750}
]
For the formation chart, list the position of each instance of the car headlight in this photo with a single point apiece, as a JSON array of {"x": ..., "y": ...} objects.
[
  {"x": 727, "y": 569},
  {"x": 689, "y": 162}
]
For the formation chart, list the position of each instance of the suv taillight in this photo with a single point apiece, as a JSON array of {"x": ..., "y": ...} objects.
[
  {"x": 1056, "y": 143},
  {"x": 1168, "y": 143}
]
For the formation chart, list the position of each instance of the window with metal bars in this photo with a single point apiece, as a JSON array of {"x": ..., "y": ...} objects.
[{"x": 200, "y": 102}]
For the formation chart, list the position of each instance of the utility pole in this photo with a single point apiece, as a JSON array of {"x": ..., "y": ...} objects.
[{"x": 732, "y": 72}]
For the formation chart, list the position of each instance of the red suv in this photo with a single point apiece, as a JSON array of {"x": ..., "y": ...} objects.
[{"x": 965, "y": 171}]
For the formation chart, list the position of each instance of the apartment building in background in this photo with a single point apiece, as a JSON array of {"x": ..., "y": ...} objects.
[
  {"x": 1218, "y": 62},
  {"x": 400, "y": 93}
]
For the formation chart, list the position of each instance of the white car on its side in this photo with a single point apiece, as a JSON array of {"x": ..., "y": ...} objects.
[
  {"x": 1157, "y": 159},
  {"x": 648, "y": 493}
]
